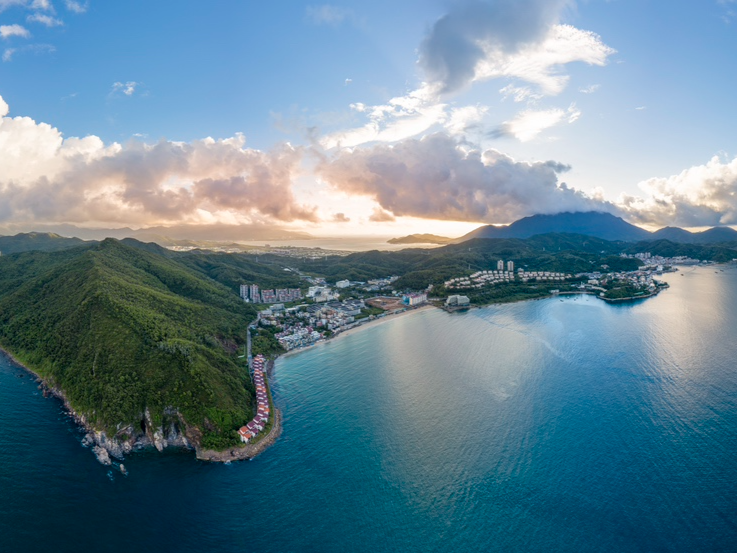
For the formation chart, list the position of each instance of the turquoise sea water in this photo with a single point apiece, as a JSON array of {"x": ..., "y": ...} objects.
[{"x": 541, "y": 426}]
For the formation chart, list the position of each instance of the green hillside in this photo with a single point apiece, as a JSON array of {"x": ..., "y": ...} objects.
[
  {"x": 40, "y": 241},
  {"x": 120, "y": 330}
]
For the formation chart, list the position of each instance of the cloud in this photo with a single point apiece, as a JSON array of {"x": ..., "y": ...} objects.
[
  {"x": 10, "y": 53},
  {"x": 378, "y": 215},
  {"x": 439, "y": 178},
  {"x": 7, "y": 31},
  {"x": 465, "y": 118},
  {"x": 520, "y": 39},
  {"x": 47, "y": 177},
  {"x": 76, "y": 7},
  {"x": 400, "y": 118},
  {"x": 28, "y": 4},
  {"x": 327, "y": 14},
  {"x": 127, "y": 88},
  {"x": 46, "y": 20},
  {"x": 590, "y": 89},
  {"x": 341, "y": 218},
  {"x": 348, "y": 81},
  {"x": 528, "y": 124},
  {"x": 703, "y": 195}
]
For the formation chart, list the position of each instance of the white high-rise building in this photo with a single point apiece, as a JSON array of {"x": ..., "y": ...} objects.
[
  {"x": 510, "y": 266},
  {"x": 244, "y": 291},
  {"x": 500, "y": 265}
]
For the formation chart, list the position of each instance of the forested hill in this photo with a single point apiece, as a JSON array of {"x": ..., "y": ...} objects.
[
  {"x": 120, "y": 329},
  {"x": 36, "y": 241},
  {"x": 570, "y": 253}
]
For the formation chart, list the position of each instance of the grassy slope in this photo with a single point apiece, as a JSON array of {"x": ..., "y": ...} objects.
[{"x": 120, "y": 329}]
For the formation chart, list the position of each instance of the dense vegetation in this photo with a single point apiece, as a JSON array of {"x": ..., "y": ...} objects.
[
  {"x": 36, "y": 241},
  {"x": 419, "y": 267},
  {"x": 125, "y": 327},
  {"x": 568, "y": 253},
  {"x": 120, "y": 330},
  {"x": 265, "y": 343}
]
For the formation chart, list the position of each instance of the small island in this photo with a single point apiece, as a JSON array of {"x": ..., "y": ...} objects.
[{"x": 421, "y": 239}]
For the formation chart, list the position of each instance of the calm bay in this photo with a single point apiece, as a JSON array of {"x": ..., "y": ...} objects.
[{"x": 554, "y": 425}]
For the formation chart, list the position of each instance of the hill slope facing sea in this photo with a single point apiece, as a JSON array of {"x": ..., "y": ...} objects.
[{"x": 549, "y": 425}]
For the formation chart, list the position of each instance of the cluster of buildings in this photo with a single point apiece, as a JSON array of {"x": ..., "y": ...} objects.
[
  {"x": 549, "y": 276},
  {"x": 251, "y": 293},
  {"x": 304, "y": 325},
  {"x": 642, "y": 280},
  {"x": 322, "y": 293},
  {"x": 457, "y": 301},
  {"x": 377, "y": 284},
  {"x": 414, "y": 299},
  {"x": 480, "y": 279},
  {"x": 500, "y": 266},
  {"x": 258, "y": 423},
  {"x": 297, "y": 336},
  {"x": 655, "y": 260}
]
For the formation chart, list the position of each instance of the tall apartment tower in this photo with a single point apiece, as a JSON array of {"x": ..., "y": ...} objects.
[
  {"x": 254, "y": 294},
  {"x": 244, "y": 292},
  {"x": 500, "y": 265},
  {"x": 510, "y": 266}
]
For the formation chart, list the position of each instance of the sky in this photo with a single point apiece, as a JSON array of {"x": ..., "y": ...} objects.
[{"x": 358, "y": 118}]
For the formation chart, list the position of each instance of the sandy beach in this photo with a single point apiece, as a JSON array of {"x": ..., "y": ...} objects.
[{"x": 362, "y": 326}]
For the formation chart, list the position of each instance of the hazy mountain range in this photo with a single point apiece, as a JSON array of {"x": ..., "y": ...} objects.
[
  {"x": 599, "y": 225},
  {"x": 167, "y": 235}
]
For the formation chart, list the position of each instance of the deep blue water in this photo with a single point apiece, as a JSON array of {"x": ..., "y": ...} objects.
[{"x": 541, "y": 426}]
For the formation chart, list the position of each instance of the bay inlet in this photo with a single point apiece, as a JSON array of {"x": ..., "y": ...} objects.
[{"x": 551, "y": 425}]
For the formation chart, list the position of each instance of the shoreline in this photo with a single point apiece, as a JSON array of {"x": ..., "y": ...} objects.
[
  {"x": 362, "y": 326},
  {"x": 104, "y": 447}
]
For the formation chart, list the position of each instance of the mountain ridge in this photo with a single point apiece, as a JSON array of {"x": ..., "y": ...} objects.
[{"x": 599, "y": 225}]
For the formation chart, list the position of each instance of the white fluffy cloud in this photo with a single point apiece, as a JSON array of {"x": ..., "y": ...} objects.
[
  {"x": 439, "y": 178},
  {"x": 7, "y": 31},
  {"x": 521, "y": 41},
  {"x": 528, "y": 124},
  {"x": 49, "y": 178},
  {"x": 703, "y": 195},
  {"x": 514, "y": 39}
]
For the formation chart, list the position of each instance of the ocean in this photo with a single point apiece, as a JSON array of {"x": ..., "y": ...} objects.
[{"x": 553, "y": 425}]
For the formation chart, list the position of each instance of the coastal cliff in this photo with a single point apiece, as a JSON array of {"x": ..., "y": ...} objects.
[{"x": 141, "y": 349}]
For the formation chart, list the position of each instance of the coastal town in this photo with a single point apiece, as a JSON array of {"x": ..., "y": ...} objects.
[{"x": 294, "y": 318}]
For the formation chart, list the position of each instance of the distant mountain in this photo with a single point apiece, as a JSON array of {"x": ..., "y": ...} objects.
[
  {"x": 39, "y": 241},
  {"x": 591, "y": 223},
  {"x": 674, "y": 234},
  {"x": 716, "y": 235},
  {"x": 421, "y": 239},
  {"x": 168, "y": 235}
]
